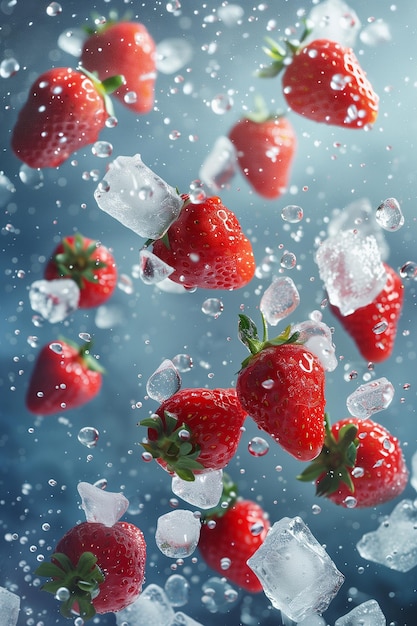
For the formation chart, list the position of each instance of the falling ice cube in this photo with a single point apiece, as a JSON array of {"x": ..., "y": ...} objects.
[
  {"x": 352, "y": 270},
  {"x": 219, "y": 167},
  {"x": 172, "y": 54},
  {"x": 366, "y": 614},
  {"x": 376, "y": 33},
  {"x": 103, "y": 507},
  {"x": 152, "y": 608},
  {"x": 370, "y": 398},
  {"x": 9, "y": 607},
  {"x": 279, "y": 300},
  {"x": 177, "y": 533},
  {"x": 54, "y": 299},
  {"x": 138, "y": 198},
  {"x": 204, "y": 492},
  {"x": 389, "y": 215},
  {"x": 297, "y": 574},
  {"x": 151, "y": 269},
  {"x": 164, "y": 382},
  {"x": 317, "y": 337},
  {"x": 334, "y": 20},
  {"x": 394, "y": 543}
]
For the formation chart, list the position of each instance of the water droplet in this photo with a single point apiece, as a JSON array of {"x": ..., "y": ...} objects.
[
  {"x": 112, "y": 121},
  {"x": 339, "y": 82},
  {"x": 174, "y": 135},
  {"x": 174, "y": 5},
  {"x": 212, "y": 307},
  {"x": 350, "y": 502},
  {"x": 258, "y": 446},
  {"x": 288, "y": 260},
  {"x": 409, "y": 270},
  {"x": 56, "y": 347},
  {"x": 53, "y": 9},
  {"x": 292, "y": 214},
  {"x": 197, "y": 192},
  {"x": 221, "y": 104},
  {"x": 256, "y": 528},
  {"x": 62, "y": 594},
  {"x": 8, "y": 68},
  {"x": 102, "y": 149},
  {"x": 88, "y": 436},
  {"x": 358, "y": 472},
  {"x": 183, "y": 362},
  {"x": 380, "y": 328},
  {"x": 315, "y": 509},
  {"x": 225, "y": 563},
  {"x": 389, "y": 215},
  {"x": 130, "y": 97}
]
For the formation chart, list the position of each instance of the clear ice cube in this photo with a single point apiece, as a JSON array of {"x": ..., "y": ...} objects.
[
  {"x": 164, "y": 382},
  {"x": 152, "y": 608},
  {"x": 219, "y": 167},
  {"x": 389, "y": 215},
  {"x": 317, "y": 337},
  {"x": 366, "y": 614},
  {"x": 296, "y": 573},
  {"x": 394, "y": 543},
  {"x": 279, "y": 300},
  {"x": 177, "y": 533},
  {"x": 204, "y": 492},
  {"x": 370, "y": 398},
  {"x": 54, "y": 299},
  {"x": 351, "y": 268},
  {"x": 9, "y": 607},
  {"x": 104, "y": 507},
  {"x": 376, "y": 33},
  {"x": 139, "y": 199},
  {"x": 151, "y": 269}
]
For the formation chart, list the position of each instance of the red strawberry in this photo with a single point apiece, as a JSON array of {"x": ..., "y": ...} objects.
[
  {"x": 374, "y": 326},
  {"x": 124, "y": 48},
  {"x": 361, "y": 464},
  {"x": 64, "y": 377},
  {"x": 230, "y": 536},
  {"x": 324, "y": 82},
  {"x": 101, "y": 566},
  {"x": 207, "y": 248},
  {"x": 265, "y": 146},
  {"x": 195, "y": 430},
  {"x": 89, "y": 264},
  {"x": 281, "y": 386},
  {"x": 65, "y": 111}
]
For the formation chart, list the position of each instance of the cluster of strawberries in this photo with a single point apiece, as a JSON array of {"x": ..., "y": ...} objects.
[{"x": 281, "y": 385}]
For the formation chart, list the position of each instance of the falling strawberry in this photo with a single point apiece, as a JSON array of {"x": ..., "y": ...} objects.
[
  {"x": 281, "y": 386},
  {"x": 229, "y": 537},
  {"x": 374, "y": 326},
  {"x": 90, "y": 264},
  {"x": 100, "y": 567},
  {"x": 65, "y": 111},
  {"x": 361, "y": 464},
  {"x": 265, "y": 146},
  {"x": 324, "y": 82},
  {"x": 207, "y": 248},
  {"x": 64, "y": 377},
  {"x": 195, "y": 430},
  {"x": 127, "y": 49}
]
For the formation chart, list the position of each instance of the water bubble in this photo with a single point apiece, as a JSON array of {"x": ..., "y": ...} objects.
[
  {"x": 380, "y": 328},
  {"x": 84, "y": 336},
  {"x": 221, "y": 104},
  {"x": 88, "y": 436},
  {"x": 315, "y": 509},
  {"x": 9, "y": 67},
  {"x": 31, "y": 177},
  {"x": 350, "y": 502},
  {"x": 102, "y": 149},
  {"x": 62, "y": 594},
  {"x": 177, "y": 589},
  {"x": 292, "y": 213},
  {"x": 131, "y": 97},
  {"x": 173, "y": 6},
  {"x": 56, "y": 347},
  {"x": 288, "y": 260},
  {"x": 112, "y": 121},
  {"x": 183, "y": 362},
  {"x": 256, "y": 528},
  {"x": 53, "y": 9},
  {"x": 212, "y": 307},
  {"x": 225, "y": 563},
  {"x": 389, "y": 215},
  {"x": 358, "y": 472},
  {"x": 197, "y": 192},
  {"x": 409, "y": 270},
  {"x": 174, "y": 135},
  {"x": 258, "y": 446}
]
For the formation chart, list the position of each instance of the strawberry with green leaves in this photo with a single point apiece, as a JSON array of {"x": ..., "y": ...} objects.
[
  {"x": 281, "y": 386},
  {"x": 87, "y": 262},
  {"x": 361, "y": 464},
  {"x": 206, "y": 247},
  {"x": 66, "y": 110},
  {"x": 65, "y": 376},
  {"x": 195, "y": 430}
]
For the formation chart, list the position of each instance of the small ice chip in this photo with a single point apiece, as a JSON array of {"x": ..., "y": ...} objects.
[
  {"x": 177, "y": 533},
  {"x": 279, "y": 300},
  {"x": 152, "y": 608},
  {"x": 370, "y": 398},
  {"x": 204, "y": 492},
  {"x": 164, "y": 382},
  {"x": 219, "y": 167},
  {"x": 317, "y": 337},
  {"x": 9, "y": 607},
  {"x": 54, "y": 299},
  {"x": 172, "y": 54},
  {"x": 151, "y": 269},
  {"x": 366, "y": 614},
  {"x": 103, "y": 507}
]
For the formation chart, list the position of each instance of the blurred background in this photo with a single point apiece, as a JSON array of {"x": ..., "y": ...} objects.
[{"x": 41, "y": 459}]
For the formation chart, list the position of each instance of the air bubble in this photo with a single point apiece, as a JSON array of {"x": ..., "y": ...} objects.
[
  {"x": 8, "y": 68},
  {"x": 212, "y": 307},
  {"x": 258, "y": 446},
  {"x": 389, "y": 215},
  {"x": 221, "y": 104},
  {"x": 292, "y": 213},
  {"x": 53, "y": 9},
  {"x": 88, "y": 436},
  {"x": 102, "y": 149}
]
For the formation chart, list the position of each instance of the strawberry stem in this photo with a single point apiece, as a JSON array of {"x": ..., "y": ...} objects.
[{"x": 248, "y": 335}]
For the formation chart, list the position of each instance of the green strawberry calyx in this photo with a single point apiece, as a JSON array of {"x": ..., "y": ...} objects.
[
  {"x": 248, "y": 335},
  {"x": 338, "y": 456},
  {"x": 174, "y": 445},
  {"x": 281, "y": 54},
  {"x": 260, "y": 113},
  {"x": 75, "y": 585},
  {"x": 84, "y": 355},
  {"x": 77, "y": 261},
  {"x": 104, "y": 87}
]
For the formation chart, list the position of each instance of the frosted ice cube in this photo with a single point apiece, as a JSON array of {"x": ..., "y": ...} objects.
[
  {"x": 54, "y": 299},
  {"x": 152, "y": 269},
  {"x": 370, "y": 398},
  {"x": 230, "y": 14},
  {"x": 279, "y": 300},
  {"x": 376, "y": 33},
  {"x": 296, "y": 573},
  {"x": 138, "y": 198},
  {"x": 177, "y": 533},
  {"x": 9, "y": 607},
  {"x": 181, "y": 619},
  {"x": 172, "y": 54},
  {"x": 352, "y": 270},
  {"x": 219, "y": 167},
  {"x": 164, "y": 382},
  {"x": 72, "y": 40},
  {"x": 317, "y": 337},
  {"x": 334, "y": 20},
  {"x": 366, "y": 614},
  {"x": 204, "y": 492},
  {"x": 101, "y": 506},
  {"x": 152, "y": 608},
  {"x": 394, "y": 543}
]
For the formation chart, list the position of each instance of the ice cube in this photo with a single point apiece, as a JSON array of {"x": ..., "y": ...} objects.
[
  {"x": 230, "y": 14},
  {"x": 181, "y": 619},
  {"x": 151, "y": 269},
  {"x": 389, "y": 215},
  {"x": 394, "y": 543},
  {"x": 172, "y": 54},
  {"x": 312, "y": 620},
  {"x": 9, "y": 607},
  {"x": 376, "y": 33},
  {"x": 204, "y": 492},
  {"x": 352, "y": 270},
  {"x": 317, "y": 337},
  {"x": 219, "y": 167},
  {"x": 54, "y": 299},
  {"x": 138, "y": 198},
  {"x": 334, "y": 20},
  {"x": 296, "y": 573},
  {"x": 72, "y": 40},
  {"x": 366, "y": 614},
  {"x": 164, "y": 382},
  {"x": 101, "y": 506},
  {"x": 370, "y": 398},
  {"x": 7, "y": 189},
  {"x": 279, "y": 300},
  {"x": 177, "y": 533},
  {"x": 152, "y": 608}
]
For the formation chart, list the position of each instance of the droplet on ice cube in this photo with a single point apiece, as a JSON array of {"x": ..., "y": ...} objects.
[
  {"x": 54, "y": 299},
  {"x": 177, "y": 533},
  {"x": 368, "y": 613},
  {"x": 389, "y": 215},
  {"x": 279, "y": 300},
  {"x": 103, "y": 507},
  {"x": 204, "y": 492},
  {"x": 370, "y": 398},
  {"x": 164, "y": 382}
]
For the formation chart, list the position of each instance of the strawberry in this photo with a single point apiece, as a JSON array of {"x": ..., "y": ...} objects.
[
  {"x": 361, "y": 464},
  {"x": 101, "y": 566},
  {"x": 229, "y": 537},
  {"x": 195, "y": 430},
  {"x": 324, "y": 82},
  {"x": 90, "y": 264},
  {"x": 265, "y": 146},
  {"x": 281, "y": 386},
  {"x": 206, "y": 247},
  {"x": 65, "y": 111},
  {"x": 128, "y": 49},
  {"x": 64, "y": 377},
  {"x": 374, "y": 326}
]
